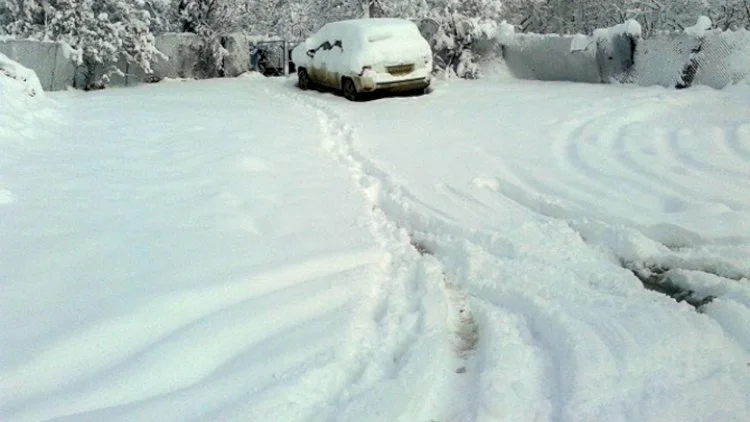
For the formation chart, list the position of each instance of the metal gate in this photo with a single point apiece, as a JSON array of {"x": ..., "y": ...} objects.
[{"x": 272, "y": 57}]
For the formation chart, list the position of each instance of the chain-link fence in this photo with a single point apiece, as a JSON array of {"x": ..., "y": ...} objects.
[{"x": 716, "y": 59}]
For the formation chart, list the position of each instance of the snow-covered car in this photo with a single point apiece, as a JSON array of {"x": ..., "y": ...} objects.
[{"x": 365, "y": 55}]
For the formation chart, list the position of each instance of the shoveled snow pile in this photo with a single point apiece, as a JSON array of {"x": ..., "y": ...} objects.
[
  {"x": 16, "y": 79},
  {"x": 19, "y": 89},
  {"x": 20, "y": 92}
]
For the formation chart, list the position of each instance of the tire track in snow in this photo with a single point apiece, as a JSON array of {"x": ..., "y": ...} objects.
[
  {"x": 541, "y": 322},
  {"x": 665, "y": 167},
  {"x": 443, "y": 307},
  {"x": 400, "y": 209},
  {"x": 689, "y": 149},
  {"x": 581, "y": 154},
  {"x": 738, "y": 142}
]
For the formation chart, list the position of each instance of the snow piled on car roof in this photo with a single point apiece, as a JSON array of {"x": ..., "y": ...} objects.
[{"x": 364, "y": 42}]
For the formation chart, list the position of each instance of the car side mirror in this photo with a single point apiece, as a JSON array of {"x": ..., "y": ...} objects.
[{"x": 311, "y": 52}]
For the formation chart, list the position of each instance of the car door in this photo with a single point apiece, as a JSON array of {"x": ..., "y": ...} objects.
[
  {"x": 335, "y": 59},
  {"x": 318, "y": 68}
]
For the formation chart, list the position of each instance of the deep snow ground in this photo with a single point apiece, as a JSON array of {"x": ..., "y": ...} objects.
[{"x": 241, "y": 250}]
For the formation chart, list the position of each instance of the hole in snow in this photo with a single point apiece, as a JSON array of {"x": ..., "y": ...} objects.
[
  {"x": 420, "y": 247},
  {"x": 658, "y": 279}
]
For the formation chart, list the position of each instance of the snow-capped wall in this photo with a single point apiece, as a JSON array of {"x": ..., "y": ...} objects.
[
  {"x": 603, "y": 57},
  {"x": 51, "y": 61},
  {"x": 550, "y": 58},
  {"x": 57, "y": 70}
]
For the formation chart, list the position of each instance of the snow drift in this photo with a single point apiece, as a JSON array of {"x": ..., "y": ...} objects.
[
  {"x": 17, "y": 82},
  {"x": 51, "y": 61},
  {"x": 19, "y": 90}
]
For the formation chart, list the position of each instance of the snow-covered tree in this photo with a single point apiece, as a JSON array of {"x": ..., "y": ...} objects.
[
  {"x": 27, "y": 17},
  {"x": 730, "y": 14},
  {"x": 201, "y": 15},
  {"x": 394, "y": 8},
  {"x": 292, "y": 19},
  {"x": 583, "y": 16}
]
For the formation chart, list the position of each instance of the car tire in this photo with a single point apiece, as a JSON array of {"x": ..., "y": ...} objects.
[
  {"x": 349, "y": 89},
  {"x": 303, "y": 79}
]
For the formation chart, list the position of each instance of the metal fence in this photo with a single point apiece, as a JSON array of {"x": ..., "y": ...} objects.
[{"x": 272, "y": 57}]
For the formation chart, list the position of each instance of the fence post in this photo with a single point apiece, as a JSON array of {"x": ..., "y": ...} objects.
[
  {"x": 56, "y": 46},
  {"x": 286, "y": 58}
]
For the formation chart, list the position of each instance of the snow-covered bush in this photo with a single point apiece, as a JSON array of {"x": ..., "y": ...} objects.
[
  {"x": 458, "y": 42},
  {"x": 198, "y": 16},
  {"x": 730, "y": 14}
]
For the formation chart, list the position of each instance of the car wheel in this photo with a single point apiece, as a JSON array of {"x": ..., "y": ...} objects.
[
  {"x": 418, "y": 92},
  {"x": 349, "y": 89},
  {"x": 303, "y": 79}
]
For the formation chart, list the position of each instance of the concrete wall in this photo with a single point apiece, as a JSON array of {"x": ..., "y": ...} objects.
[
  {"x": 605, "y": 57},
  {"x": 714, "y": 58},
  {"x": 550, "y": 58},
  {"x": 56, "y": 71}
]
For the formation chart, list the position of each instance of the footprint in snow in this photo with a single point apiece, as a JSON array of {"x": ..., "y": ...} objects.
[{"x": 6, "y": 197}]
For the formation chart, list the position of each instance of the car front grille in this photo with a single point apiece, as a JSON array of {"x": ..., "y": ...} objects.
[{"x": 401, "y": 69}]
